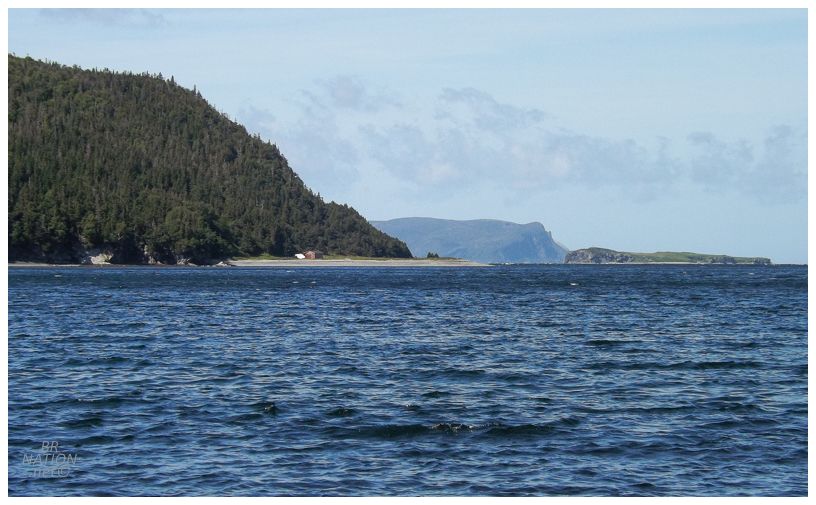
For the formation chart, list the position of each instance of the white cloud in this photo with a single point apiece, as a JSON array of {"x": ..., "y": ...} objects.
[
  {"x": 485, "y": 113},
  {"x": 466, "y": 137},
  {"x": 349, "y": 92},
  {"x": 775, "y": 171},
  {"x": 142, "y": 18}
]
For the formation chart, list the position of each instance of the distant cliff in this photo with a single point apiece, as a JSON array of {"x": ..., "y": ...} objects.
[
  {"x": 484, "y": 240},
  {"x": 600, "y": 255}
]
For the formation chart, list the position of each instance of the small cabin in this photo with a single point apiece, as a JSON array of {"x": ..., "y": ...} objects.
[{"x": 313, "y": 255}]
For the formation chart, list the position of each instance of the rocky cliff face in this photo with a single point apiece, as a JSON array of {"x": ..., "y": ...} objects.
[{"x": 598, "y": 255}]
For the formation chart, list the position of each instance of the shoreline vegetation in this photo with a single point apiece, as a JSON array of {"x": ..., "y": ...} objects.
[
  {"x": 588, "y": 256},
  {"x": 278, "y": 262}
]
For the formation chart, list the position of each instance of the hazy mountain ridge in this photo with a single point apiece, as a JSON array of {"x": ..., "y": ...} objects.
[{"x": 484, "y": 240}]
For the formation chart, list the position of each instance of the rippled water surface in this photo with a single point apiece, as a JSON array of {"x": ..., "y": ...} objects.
[{"x": 512, "y": 380}]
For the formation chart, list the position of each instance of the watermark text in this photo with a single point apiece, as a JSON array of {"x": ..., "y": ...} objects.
[{"x": 49, "y": 462}]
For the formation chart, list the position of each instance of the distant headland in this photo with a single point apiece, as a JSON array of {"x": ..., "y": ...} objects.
[
  {"x": 481, "y": 240},
  {"x": 598, "y": 255}
]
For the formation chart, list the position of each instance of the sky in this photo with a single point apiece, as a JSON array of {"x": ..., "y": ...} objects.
[{"x": 637, "y": 130}]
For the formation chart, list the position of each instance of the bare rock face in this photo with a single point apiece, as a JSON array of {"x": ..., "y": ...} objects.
[
  {"x": 183, "y": 260},
  {"x": 598, "y": 255},
  {"x": 97, "y": 257}
]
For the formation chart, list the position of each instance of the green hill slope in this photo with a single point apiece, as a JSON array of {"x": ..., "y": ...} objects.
[{"x": 148, "y": 171}]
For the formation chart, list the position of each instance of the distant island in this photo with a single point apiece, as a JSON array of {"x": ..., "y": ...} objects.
[
  {"x": 598, "y": 255},
  {"x": 481, "y": 240},
  {"x": 133, "y": 168}
]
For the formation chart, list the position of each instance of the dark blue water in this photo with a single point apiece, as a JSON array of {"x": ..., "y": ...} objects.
[{"x": 546, "y": 380}]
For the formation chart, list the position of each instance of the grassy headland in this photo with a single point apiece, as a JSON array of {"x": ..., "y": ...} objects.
[{"x": 601, "y": 255}]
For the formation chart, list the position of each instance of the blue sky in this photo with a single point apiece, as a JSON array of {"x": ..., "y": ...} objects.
[{"x": 636, "y": 130}]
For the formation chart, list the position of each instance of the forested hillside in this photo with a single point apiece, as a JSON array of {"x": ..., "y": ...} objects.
[{"x": 147, "y": 169}]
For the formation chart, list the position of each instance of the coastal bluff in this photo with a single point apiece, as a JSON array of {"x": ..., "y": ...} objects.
[{"x": 480, "y": 240}]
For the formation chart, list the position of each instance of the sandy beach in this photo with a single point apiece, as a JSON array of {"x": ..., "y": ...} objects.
[{"x": 295, "y": 263}]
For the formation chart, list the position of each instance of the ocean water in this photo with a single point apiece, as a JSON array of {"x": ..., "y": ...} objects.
[{"x": 510, "y": 380}]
